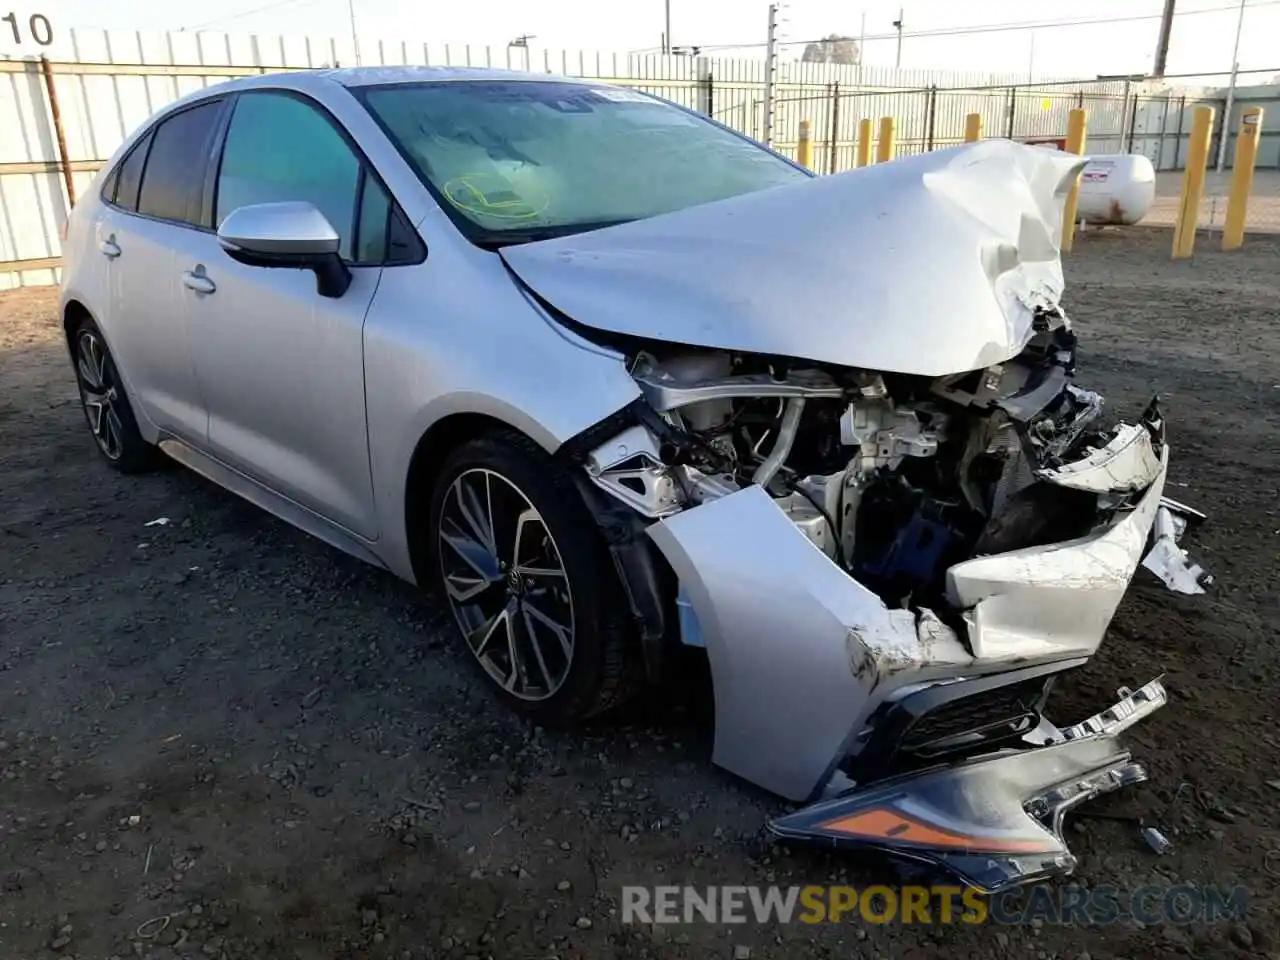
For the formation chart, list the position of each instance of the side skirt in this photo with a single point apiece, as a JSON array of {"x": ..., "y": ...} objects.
[{"x": 273, "y": 503}]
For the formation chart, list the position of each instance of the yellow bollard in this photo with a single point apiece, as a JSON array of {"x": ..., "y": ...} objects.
[
  {"x": 864, "y": 141},
  {"x": 804, "y": 149},
  {"x": 1184, "y": 231},
  {"x": 1075, "y": 144},
  {"x": 884, "y": 145},
  {"x": 973, "y": 128},
  {"x": 1242, "y": 177}
]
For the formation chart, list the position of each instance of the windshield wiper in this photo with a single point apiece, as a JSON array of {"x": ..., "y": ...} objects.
[{"x": 497, "y": 239}]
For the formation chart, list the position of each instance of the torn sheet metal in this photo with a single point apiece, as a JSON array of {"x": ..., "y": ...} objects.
[
  {"x": 1055, "y": 599},
  {"x": 996, "y": 821},
  {"x": 1127, "y": 462},
  {"x": 830, "y": 269},
  {"x": 796, "y": 646},
  {"x": 1170, "y": 562}
]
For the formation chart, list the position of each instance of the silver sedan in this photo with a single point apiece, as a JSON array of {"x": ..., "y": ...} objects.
[{"x": 617, "y": 381}]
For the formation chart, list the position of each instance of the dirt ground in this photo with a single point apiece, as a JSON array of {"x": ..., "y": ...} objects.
[{"x": 220, "y": 738}]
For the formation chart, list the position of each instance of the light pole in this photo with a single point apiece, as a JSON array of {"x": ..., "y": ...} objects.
[
  {"x": 355, "y": 40},
  {"x": 1231, "y": 92},
  {"x": 897, "y": 25},
  {"x": 666, "y": 37},
  {"x": 770, "y": 73}
]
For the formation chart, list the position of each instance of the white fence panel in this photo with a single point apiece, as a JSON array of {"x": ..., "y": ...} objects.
[{"x": 109, "y": 82}]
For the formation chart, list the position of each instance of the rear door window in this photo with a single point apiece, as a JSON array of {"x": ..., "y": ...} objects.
[{"x": 173, "y": 182}]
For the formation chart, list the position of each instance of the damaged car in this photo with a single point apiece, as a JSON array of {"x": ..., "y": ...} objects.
[{"x": 618, "y": 381}]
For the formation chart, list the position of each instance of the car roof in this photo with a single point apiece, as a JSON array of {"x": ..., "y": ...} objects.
[
  {"x": 316, "y": 81},
  {"x": 369, "y": 76}
]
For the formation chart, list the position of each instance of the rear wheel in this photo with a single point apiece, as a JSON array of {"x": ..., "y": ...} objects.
[
  {"x": 531, "y": 585},
  {"x": 106, "y": 405}
]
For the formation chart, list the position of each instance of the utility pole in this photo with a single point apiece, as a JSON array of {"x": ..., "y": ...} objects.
[
  {"x": 770, "y": 72},
  {"x": 666, "y": 37},
  {"x": 897, "y": 25},
  {"x": 1162, "y": 44},
  {"x": 1231, "y": 93},
  {"x": 355, "y": 40}
]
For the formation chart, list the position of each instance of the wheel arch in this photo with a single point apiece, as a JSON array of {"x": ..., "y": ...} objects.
[
  {"x": 645, "y": 576},
  {"x": 435, "y": 444},
  {"x": 73, "y": 311}
]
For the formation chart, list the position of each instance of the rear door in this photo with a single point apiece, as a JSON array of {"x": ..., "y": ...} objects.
[
  {"x": 281, "y": 367},
  {"x": 155, "y": 207}
]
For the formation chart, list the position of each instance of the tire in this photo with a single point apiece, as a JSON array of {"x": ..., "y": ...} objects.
[
  {"x": 504, "y": 515},
  {"x": 105, "y": 403}
]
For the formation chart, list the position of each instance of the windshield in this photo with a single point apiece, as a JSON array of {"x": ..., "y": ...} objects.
[{"x": 519, "y": 160}]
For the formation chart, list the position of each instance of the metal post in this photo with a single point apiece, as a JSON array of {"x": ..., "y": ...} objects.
[
  {"x": 1075, "y": 144},
  {"x": 1124, "y": 117},
  {"x": 885, "y": 143},
  {"x": 931, "y": 109},
  {"x": 770, "y": 68},
  {"x": 708, "y": 84},
  {"x": 835, "y": 126},
  {"x": 864, "y": 142},
  {"x": 666, "y": 37},
  {"x": 1231, "y": 92},
  {"x": 804, "y": 147},
  {"x": 1177, "y": 137},
  {"x": 1133, "y": 122},
  {"x": 1242, "y": 177},
  {"x": 1184, "y": 231},
  {"x": 1013, "y": 106},
  {"x": 59, "y": 134},
  {"x": 1164, "y": 127},
  {"x": 1162, "y": 44}
]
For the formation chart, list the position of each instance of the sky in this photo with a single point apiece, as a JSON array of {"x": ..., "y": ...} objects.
[{"x": 1202, "y": 41}]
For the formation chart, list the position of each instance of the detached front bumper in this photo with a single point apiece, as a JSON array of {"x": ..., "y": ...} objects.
[{"x": 994, "y": 822}]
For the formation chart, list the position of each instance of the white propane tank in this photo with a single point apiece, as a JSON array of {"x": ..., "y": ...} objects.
[{"x": 1116, "y": 188}]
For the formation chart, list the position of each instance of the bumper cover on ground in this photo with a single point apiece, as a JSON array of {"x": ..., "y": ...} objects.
[{"x": 996, "y": 821}]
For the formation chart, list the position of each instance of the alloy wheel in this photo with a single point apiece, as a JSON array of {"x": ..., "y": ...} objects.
[
  {"x": 100, "y": 394},
  {"x": 506, "y": 583}
]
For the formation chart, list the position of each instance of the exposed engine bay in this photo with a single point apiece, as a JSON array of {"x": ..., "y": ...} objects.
[
  {"x": 901, "y": 566},
  {"x": 895, "y": 478}
]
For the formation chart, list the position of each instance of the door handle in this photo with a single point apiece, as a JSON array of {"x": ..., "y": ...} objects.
[
  {"x": 198, "y": 282},
  {"x": 110, "y": 249}
]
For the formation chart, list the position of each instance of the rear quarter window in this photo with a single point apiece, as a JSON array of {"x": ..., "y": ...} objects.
[{"x": 129, "y": 176}]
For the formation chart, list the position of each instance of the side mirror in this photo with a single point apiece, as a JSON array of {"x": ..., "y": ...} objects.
[{"x": 292, "y": 234}]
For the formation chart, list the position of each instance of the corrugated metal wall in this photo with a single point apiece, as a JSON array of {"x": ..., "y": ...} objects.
[{"x": 109, "y": 82}]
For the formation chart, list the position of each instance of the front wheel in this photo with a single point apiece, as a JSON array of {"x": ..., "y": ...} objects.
[{"x": 531, "y": 585}]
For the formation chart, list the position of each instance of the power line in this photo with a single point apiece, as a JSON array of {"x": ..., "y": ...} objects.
[
  {"x": 1007, "y": 26},
  {"x": 242, "y": 14}
]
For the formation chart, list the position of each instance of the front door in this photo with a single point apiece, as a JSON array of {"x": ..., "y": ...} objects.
[{"x": 281, "y": 367}]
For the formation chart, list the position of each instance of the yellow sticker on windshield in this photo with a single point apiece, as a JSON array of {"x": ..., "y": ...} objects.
[{"x": 489, "y": 195}]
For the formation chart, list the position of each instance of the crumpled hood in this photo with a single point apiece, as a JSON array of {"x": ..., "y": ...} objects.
[{"x": 928, "y": 265}]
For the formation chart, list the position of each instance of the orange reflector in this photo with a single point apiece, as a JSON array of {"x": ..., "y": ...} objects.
[{"x": 888, "y": 825}]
